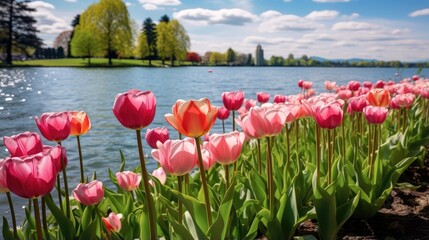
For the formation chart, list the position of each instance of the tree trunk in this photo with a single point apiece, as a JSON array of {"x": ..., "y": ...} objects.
[
  {"x": 150, "y": 61},
  {"x": 172, "y": 61},
  {"x": 10, "y": 35},
  {"x": 163, "y": 60}
]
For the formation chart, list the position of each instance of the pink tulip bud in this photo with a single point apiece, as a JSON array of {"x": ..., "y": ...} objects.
[
  {"x": 307, "y": 85},
  {"x": 90, "y": 193},
  {"x": 156, "y": 134},
  {"x": 23, "y": 144},
  {"x": 135, "y": 109},
  {"x": 330, "y": 85},
  {"x": 375, "y": 115},
  {"x": 128, "y": 181},
  {"x": 223, "y": 113},
  {"x": 262, "y": 122},
  {"x": 300, "y": 83},
  {"x": 353, "y": 85},
  {"x": 345, "y": 94},
  {"x": 367, "y": 84},
  {"x": 233, "y": 100},
  {"x": 159, "y": 173},
  {"x": 280, "y": 98},
  {"x": 416, "y": 77},
  {"x": 208, "y": 159},
  {"x": 3, "y": 184},
  {"x": 328, "y": 116},
  {"x": 263, "y": 97},
  {"x": 113, "y": 222},
  {"x": 59, "y": 156},
  {"x": 54, "y": 126},
  {"x": 226, "y": 148},
  {"x": 357, "y": 104},
  {"x": 379, "y": 84}
]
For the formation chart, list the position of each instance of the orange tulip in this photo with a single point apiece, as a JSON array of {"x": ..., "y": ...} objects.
[
  {"x": 79, "y": 123},
  {"x": 378, "y": 97},
  {"x": 192, "y": 118}
]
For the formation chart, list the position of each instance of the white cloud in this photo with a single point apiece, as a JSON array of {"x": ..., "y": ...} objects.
[
  {"x": 150, "y": 7},
  {"x": 268, "y": 41},
  {"x": 71, "y": 1},
  {"x": 288, "y": 23},
  {"x": 421, "y": 12},
  {"x": 351, "y": 16},
  {"x": 322, "y": 15},
  {"x": 353, "y": 26},
  {"x": 330, "y": 1},
  {"x": 233, "y": 16},
  {"x": 47, "y": 22},
  {"x": 270, "y": 14},
  {"x": 161, "y": 2},
  {"x": 128, "y": 4}
]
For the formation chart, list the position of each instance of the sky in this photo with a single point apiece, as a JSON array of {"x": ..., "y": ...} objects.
[{"x": 333, "y": 29}]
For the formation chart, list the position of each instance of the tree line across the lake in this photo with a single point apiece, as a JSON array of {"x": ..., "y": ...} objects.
[{"x": 105, "y": 30}]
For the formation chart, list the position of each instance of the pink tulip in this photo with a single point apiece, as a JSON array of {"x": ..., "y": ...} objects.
[
  {"x": 379, "y": 84},
  {"x": 300, "y": 83},
  {"x": 367, "y": 84},
  {"x": 59, "y": 156},
  {"x": 357, "y": 104},
  {"x": 307, "y": 85},
  {"x": 280, "y": 98},
  {"x": 262, "y": 122},
  {"x": 208, "y": 159},
  {"x": 353, "y": 86},
  {"x": 135, "y": 109},
  {"x": 31, "y": 176},
  {"x": 375, "y": 115},
  {"x": 156, "y": 134},
  {"x": 328, "y": 116},
  {"x": 233, "y": 100},
  {"x": 54, "y": 126},
  {"x": 23, "y": 144},
  {"x": 128, "y": 181},
  {"x": 403, "y": 100},
  {"x": 262, "y": 97},
  {"x": 90, "y": 193},
  {"x": 113, "y": 222},
  {"x": 290, "y": 110},
  {"x": 425, "y": 93},
  {"x": 226, "y": 148},
  {"x": 345, "y": 94},
  {"x": 176, "y": 157},
  {"x": 330, "y": 85},
  {"x": 415, "y": 77},
  {"x": 223, "y": 113},
  {"x": 159, "y": 173},
  {"x": 3, "y": 184}
]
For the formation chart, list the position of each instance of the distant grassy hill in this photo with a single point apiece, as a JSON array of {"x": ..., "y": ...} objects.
[{"x": 95, "y": 62}]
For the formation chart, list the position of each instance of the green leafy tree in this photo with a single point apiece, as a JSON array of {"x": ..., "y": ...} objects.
[
  {"x": 165, "y": 19},
  {"x": 149, "y": 30},
  {"x": 110, "y": 21},
  {"x": 142, "y": 49},
  {"x": 85, "y": 43},
  {"x": 217, "y": 58},
  {"x": 179, "y": 41},
  {"x": 74, "y": 24},
  {"x": 18, "y": 32},
  {"x": 231, "y": 56},
  {"x": 162, "y": 40}
]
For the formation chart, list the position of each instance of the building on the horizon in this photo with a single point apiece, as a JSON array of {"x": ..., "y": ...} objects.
[{"x": 259, "y": 56}]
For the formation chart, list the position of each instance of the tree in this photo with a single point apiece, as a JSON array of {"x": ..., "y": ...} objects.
[
  {"x": 242, "y": 59},
  {"x": 85, "y": 43},
  {"x": 193, "y": 57},
  {"x": 110, "y": 21},
  {"x": 60, "y": 52},
  {"x": 150, "y": 32},
  {"x": 179, "y": 42},
  {"x": 230, "y": 56},
  {"x": 216, "y": 58},
  {"x": 165, "y": 19},
  {"x": 17, "y": 28},
  {"x": 162, "y": 40},
  {"x": 142, "y": 49},
  {"x": 304, "y": 60},
  {"x": 63, "y": 40}
]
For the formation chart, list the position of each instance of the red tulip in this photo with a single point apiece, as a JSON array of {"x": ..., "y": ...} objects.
[
  {"x": 300, "y": 83},
  {"x": 23, "y": 144},
  {"x": 59, "y": 156},
  {"x": 280, "y": 98},
  {"x": 3, "y": 183},
  {"x": 375, "y": 115},
  {"x": 192, "y": 118},
  {"x": 328, "y": 116},
  {"x": 357, "y": 104},
  {"x": 113, "y": 222},
  {"x": 378, "y": 97},
  {"x": 90, "y": 193},
  {"x": 31, "y": 176},
  {"x": 223, "y": 113},
  {"x": 54, "y": 126},
  {"x": 379, "y": 84},
  {"x": 135, "y": 109},
  {"x": 79, "y": 123},
  {"x": 233, "y": 100},
  {"x": 367, "y": 84},
  {"x": 226, "y": 148},
  {"x": 353, "y": 85},
  {"x": 156, "y": 134},
  {"x": 263, "y": 97},
  {"x": 176, "y": 157},
  {"x": 262, "y": 122},
  {"x": 128, "y": 181},
  {"x": 415, "y": 77}
]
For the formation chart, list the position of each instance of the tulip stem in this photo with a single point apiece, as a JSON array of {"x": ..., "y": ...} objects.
[
  {"x": 149, "y": 200},
  {"x": 66, "y": 185},
  {"x": 233, "y": 121},
  {"x": 318, "y": 154},
  {"x": 259, "y": 157},
  {"x": 223, "y": 126},
  {"x": 37, "y": 218},
  {"x": 59, "y": 193},
  {"x": 187, "y": 183},
  {"x": 226, "y": 167},
  {"x": 270, "y": 178},
  {"x": 297, "y": 144},
  {"x": 12, "y": 214},
  {"x": 204, "y": 182},
  {"x": 179, "y": 202},
  {"x": 82, "y": 178},
  {"x": 343, "y": 136},
  {"x": 287, "y": 149},
  {"x": 44, "y": 223},
  {"x": 329, "y": 157},
  {"x": 374, "y": 146}
]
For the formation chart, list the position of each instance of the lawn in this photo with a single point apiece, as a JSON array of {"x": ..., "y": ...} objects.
[{"x": 95, "y": 62}]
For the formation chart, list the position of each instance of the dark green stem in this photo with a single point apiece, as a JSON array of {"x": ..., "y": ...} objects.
[
  {"x": 223, "y": 126},
  {"x": 187, "y": 183},
  {"x": 259, "y": 157},
  {"x": 287, "y": 149},
  {"x": 233, "y": 121},
  {"x": 329, "y": 157},
  {"x": 12, "y": 214},
  {"x": 59, "y": 193},
  {"x": 204, "y": 182},
  {"x": 149, "y": 200},
  {"x": 82, "y": 178},
  {"x": 270, "y": 178},
  {"x": 318, "y": 154},
  {"x": 66, "y": 185},
  {"x": 44, "y": 222},
  {"x": 179, "y": 202},
  {"x": 374, "y": 147},
  {"x": 226, "y": 167},
  {"x": 37, "y": 218}
]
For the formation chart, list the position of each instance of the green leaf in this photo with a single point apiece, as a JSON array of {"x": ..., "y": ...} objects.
[
  {"x": 86, "y": 217},
  {"x": 65, "y": 224},
  {"x": 220, "y": 226},
  {"x": 91, "y": 231},
  {"x": 179, "y": 231},
  {"x": 144, "y": 224},
  {"x": 115, "y": 200},
  {"x": 326, "y": 209},
  {"x": 196, "y": 208},
  {"x": 7, "y": 233}
]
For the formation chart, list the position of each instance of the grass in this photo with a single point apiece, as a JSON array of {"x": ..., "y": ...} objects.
[{"x": 95, "y": 62}]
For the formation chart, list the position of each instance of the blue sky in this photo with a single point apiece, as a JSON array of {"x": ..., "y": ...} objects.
[{"x": 380, "y": 29}]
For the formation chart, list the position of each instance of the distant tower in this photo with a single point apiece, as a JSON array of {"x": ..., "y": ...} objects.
[{"x": 259, "y": 56}]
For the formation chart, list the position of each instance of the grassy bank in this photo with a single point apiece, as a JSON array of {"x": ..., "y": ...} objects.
[{"x": 95, "y": 62}]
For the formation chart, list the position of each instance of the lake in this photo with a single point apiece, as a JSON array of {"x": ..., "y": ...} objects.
[{"x": 29, "y": 92}]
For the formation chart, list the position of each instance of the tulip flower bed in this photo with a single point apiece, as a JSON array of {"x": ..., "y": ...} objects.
[{"x": 328, "y": 158}]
